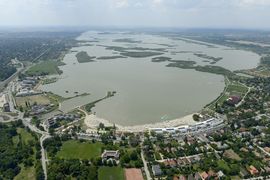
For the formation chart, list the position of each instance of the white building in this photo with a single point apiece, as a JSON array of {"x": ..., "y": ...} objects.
[
  {"x": 210, "y": 123},
  {"x": 2, "y": 100}
]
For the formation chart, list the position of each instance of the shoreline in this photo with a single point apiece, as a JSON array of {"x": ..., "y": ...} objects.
[{"x": 92, "y": 122}]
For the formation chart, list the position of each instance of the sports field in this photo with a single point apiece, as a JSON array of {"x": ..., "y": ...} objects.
[
  {"x": 79, "y": 150},
  {"x": 111, "y": 173}
]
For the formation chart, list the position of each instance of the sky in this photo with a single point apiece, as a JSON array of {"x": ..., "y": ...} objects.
[{"x": 253, "y": 14}]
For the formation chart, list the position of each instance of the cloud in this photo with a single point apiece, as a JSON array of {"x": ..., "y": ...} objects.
[
  {"x": 254, "y": 2},
  {"x": 157, "y": 2},
  {"x": 138, "y": 4},
  {"x": 120, "y": 3},
  {"x": 177, "y": 13}
]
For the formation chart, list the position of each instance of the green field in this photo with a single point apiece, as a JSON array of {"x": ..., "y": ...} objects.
[
  {"x": 233, "y": 88},
  {"x": 76, "y": 150},
  {"x": 26, "y": 136},
  {"x": 223, "y": 165},
  {"x": 111, "y": 173},
  {"x": 26, "y": 173},
  {"x": 45, "y": 68},
  {"x": 237, "y": 88}
]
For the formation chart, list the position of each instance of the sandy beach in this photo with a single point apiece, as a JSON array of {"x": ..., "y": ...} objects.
[{"x": 93, "y": 121}]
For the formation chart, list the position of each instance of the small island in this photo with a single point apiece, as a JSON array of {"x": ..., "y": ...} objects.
[
  {"x": 83, "y": 57},
  {"x": 127, "y": 40},
  {"x": 109, "y": 57},
  {"x": 140, "y": 54},
  {"x": 208, "y": 68},
  {"x": 161, "y": 59},
  {"x": 205, "y": 56}
]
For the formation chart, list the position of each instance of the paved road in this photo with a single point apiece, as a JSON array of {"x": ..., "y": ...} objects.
[
  {"x": 44, "y": 159},
  {"x": 45, "y": 135},
  {"x": 265, "y": 152},
  {"x": 147, "y": 173},
  {"x": 11, "y": 100}
]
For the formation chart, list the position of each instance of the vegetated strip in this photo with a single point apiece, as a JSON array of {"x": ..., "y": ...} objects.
[
  {"x": 207, "y": 68},
  {"x": 83, "y": 57},
  {"x": 45, "y": 68},
  {"x": 110, "y": 57}
]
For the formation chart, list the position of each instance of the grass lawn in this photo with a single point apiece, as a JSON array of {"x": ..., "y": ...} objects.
[
  {"x": 39, "y": 99},
  {"x": 15, "y": 140},
  {"x": 222, "y": 99},
  {"x": 238, "y": 88},
  {"x": 111, "y": 173},
  {"x": 223, "y": 165},
  {"x": 45, "y": 68},
  {"x": 26, "y": 173},
  {"x": 26, "y": 136},
  {"x": 232, "y": 155},
  {"x": 232, "y": 89},
  {"x": 76, "y": 150}
]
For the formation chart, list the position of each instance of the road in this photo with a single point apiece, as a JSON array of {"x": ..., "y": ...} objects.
[
  {"x": 26, "y": 121},
  {"x": 44, "y": 159},
  {"x": 147, "y": 173},
  {"x": 45, "y": 135},
  {"x": 11, "y": 100},
  {"x": 264, "y": 151}
]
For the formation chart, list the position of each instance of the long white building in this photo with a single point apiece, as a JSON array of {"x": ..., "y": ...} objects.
[{"x": 210, "y": 123}]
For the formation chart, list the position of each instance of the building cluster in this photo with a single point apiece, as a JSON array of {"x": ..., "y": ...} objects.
[
  {"x": 186, "y": 129},
  {"x": 40, "y": 108},
  {"x": 182, "y": 161},
  {"x": 4, "y": 105},
  {"x": 156, "y": 170},
  {"x": 25, "y": 87},
  {"x": 61, "y": 117}
]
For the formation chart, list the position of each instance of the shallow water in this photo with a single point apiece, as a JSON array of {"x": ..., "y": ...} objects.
[{"x": 147, "y": 92}]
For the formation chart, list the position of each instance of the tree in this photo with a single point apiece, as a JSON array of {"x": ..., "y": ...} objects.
[
  {"x": 101, "y": 126},
  {"x": 133, "y": 156},
  {"x": 196, "y": 117}
]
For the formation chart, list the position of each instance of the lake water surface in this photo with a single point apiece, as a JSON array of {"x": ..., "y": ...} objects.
[{"x": 147, "y": 92}]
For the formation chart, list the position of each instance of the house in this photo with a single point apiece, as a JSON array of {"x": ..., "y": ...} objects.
[
  {"x": 233, "y": 100},
  {"x": 182, "y": 177},
  {"x": 221, "y": 146},
  {"x": 197, "y": 176},
  {"x": 253, "y": 170},
  {"x": 108, "y": 154},
  {"x": 204, "y": 175},
  {"x": 190, "y": 177},
  {"x": 243, "y": 173},
  {"x": 220, "y": 174},
  {"x": 170, "y": 162},
  {"x": 211, "y": 173},
  {"x": 2, "y": 100},
  {"x": 50, "y": 122},
  {"x": 156, "y": 170},
  {"x": 6, "y": 107}
]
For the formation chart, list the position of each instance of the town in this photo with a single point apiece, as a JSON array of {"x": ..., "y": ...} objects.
[{"x": 230, "y": 138}]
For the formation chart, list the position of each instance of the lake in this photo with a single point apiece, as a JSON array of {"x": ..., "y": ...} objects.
[{"x": 147, "y": 92}]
